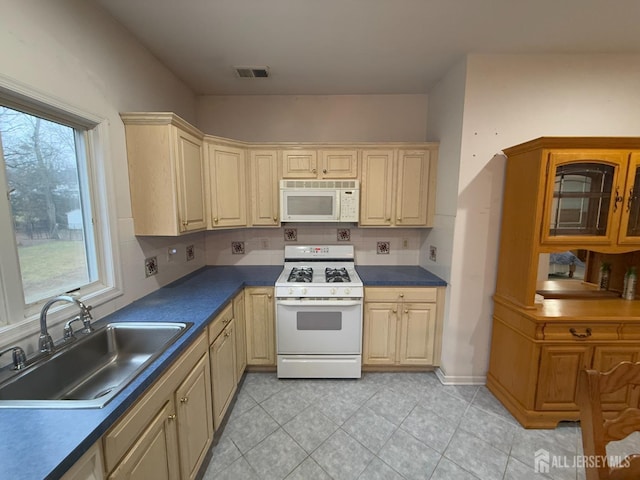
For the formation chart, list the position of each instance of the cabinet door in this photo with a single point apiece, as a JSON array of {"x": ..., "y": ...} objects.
[
  {"x": 584, "y": 196},
  {"x": 89, "y": 467},
  {"x": 190, "y": 179},
  {"x": 265, "y": 191},
  {"x": 155, "y": 453},
  {"x": 414, "y": 189},
  {"x": 299, "y": 164},
  {"x": 607, "y": 357},
  {"x": 376, "y": 189},
  {"x": 630, "y": 221},
  {"x": 259, "y": 318},
  {"x": 417, "y": 334},
  {"x": 195, "y": 422},
  {"x": 339, "y": 163},
  {"x": 560, "y": 366},
  {"x": 380, "y": 333},
  {"x": 223, "y": 372},
  {"x": 241, "y": 335},
  {"x": 226, "y": 186}
]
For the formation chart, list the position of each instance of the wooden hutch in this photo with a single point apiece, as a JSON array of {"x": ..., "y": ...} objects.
[{"x": 564, "y": 194}]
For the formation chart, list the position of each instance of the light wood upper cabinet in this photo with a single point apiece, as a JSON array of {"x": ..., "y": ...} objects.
[
  {"x": 260, "y": 322},
  {"x": 299, "y": 163},
  {"x": 338, "y": 164},
  {"x": 415, "y": 193},
  {"x": 264, "y": 188},
  {"x": 377, "y": 188},
  {"x": 166, "y": 178},
  {"x": 226, "y": 186},
  {"x": 398, "y": 188},
  {"x": 330, "y": 163}
]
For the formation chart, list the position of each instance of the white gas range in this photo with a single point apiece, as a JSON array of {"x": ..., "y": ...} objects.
[{"x": 319, "y": 313}]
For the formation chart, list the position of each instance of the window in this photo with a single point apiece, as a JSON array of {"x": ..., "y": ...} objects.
[{"x": 54, "y": 232}]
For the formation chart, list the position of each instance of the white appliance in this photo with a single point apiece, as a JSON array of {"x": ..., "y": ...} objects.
[
  {"x": 319, "y": 200},
  {"x": 319, "y": 313}
]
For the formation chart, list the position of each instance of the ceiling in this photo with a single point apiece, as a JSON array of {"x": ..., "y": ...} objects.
[{"x": 330, "y": 47}]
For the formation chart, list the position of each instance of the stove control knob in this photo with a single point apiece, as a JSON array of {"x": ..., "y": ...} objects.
[
  {"x": 332, "y": 291},
  {"x": 347, "y": 291},
  {"x": 304, "y": 291}
]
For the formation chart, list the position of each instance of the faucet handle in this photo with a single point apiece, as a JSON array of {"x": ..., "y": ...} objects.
[
  {"x": 19, "y": 357},
  {"x": 86, "y": 317},
  {"x": 68, "y": 329}
]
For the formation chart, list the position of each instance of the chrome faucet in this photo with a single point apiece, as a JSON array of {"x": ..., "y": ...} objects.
[
  {"x": 19, "y": 357},
  {"x": 45, "y": 342}
]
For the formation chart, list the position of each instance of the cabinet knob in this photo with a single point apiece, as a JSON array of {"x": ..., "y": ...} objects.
[
  {"x": 388, "y": 219},
  {"x": 406, "y": 311},
  {"x": 184, "y": 399},
  {"x": 269, "y": 296},
  {"x": 275, "y": 219},
  {"x": 399, "y": 219},
  {"x": 215, "y": 220},
  {"x": 226, "y": 321},
  {"x": 172, "y": 416},
  {"x": 185, "y": 223},
  {"x": 314, "y": 171},
  {"x": 402, "y": 295},
  {"x": 324, "y": 171},
  {"x": 394, "y": 310}
]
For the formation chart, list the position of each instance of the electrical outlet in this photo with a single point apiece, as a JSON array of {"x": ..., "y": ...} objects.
[
  {"x": 191, "y": 252},
  {"x": 433, "y": 251},
  {"x": 150, "y": 266},
  {"x": 405, "y": 243}
]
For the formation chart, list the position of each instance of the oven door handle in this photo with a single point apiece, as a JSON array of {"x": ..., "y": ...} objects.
[{"x": 322, "y": 303}]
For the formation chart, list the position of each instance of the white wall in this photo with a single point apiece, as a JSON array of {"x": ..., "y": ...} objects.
[
  {"x": 314, "y": 118},
  {"x": 73, "y": 52},
  {"x": 510, "y": 99}
]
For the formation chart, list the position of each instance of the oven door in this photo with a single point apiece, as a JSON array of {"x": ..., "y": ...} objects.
[{"x": 319, "y": 326}]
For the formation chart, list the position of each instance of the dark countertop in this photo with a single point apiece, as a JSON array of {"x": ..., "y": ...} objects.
[
  {"x": 400, "y": 275},
  {"x": 39, "y": 443}
]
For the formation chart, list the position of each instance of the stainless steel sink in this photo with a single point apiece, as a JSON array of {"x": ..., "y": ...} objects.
[{"x": 89, "y": 372}]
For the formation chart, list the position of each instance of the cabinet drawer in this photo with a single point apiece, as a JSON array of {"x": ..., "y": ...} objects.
[
  {"x": 220, "y": 322},
  {"x": 630, "y": 332},
  {"x": 397, "y": 294},
  {"x": 580, "y": 332}
]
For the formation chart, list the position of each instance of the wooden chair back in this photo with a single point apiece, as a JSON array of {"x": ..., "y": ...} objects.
[{"x": 597, "y": 430}]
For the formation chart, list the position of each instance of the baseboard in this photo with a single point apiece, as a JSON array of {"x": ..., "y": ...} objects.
[{"x": 460, "y": 379}]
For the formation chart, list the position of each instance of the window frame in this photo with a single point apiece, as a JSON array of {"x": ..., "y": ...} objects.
[{"x": 16, "y": 319}]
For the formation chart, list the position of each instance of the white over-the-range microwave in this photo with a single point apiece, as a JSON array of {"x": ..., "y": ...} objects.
[{"x": 319, "y": 200}]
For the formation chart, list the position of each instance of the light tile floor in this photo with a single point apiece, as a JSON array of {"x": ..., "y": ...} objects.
[{"x": 382, "y": 426}]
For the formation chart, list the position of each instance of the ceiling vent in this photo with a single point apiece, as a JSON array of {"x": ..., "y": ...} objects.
[{"x": 252, "y": 72}]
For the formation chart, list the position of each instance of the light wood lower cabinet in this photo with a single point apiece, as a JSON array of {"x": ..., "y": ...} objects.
[
  {"x": 157, "y": 439},
  {"x": 89, "y": 467},
  {"x": 260, "y": 323},
  {"x": 402, "y": 326},
  {"x": 240, "y": 335},
  {"x": 154, "y": 453},
  {"x": 195, "y": 426},
  {"x": 223, "y": 371}
]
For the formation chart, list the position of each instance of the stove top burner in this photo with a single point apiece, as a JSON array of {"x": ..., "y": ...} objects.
[
  {"x": 336, "y": 275},
  {"x": 301, "y": 275}
]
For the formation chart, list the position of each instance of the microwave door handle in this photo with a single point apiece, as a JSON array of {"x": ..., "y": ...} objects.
[{"x": 322, "y": 303}]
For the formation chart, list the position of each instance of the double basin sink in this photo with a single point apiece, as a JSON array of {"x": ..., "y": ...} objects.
[{"x": 92, "y": 370}]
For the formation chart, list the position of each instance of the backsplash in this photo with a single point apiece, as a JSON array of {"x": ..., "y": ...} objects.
[{"x": 373, "y": 246}]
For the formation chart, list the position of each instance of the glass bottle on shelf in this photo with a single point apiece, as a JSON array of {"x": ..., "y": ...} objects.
[{"x": 603, "y": 278}]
